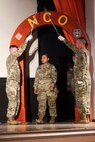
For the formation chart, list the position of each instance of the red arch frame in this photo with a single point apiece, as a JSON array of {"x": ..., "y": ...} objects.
[{"x": 43, "y": 19}]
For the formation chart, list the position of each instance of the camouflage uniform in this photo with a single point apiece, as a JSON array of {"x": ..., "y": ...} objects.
[
  {"x": 82, "y": 78},
  {"x": 46, "y": 76},
  {"x": 70, "y": 80},
  {"x": 13, "y": 82}
]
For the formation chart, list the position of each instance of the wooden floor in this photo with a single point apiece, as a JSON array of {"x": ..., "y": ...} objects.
[{"x": 67, "y": 132}]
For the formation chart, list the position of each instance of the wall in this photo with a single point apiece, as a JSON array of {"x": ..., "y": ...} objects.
[{"x": 12, "y": 13}]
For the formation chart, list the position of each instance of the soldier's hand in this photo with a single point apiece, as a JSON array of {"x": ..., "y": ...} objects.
[
  {"x": 51, "y": 88},
  {"x": 61, "y": 38},
  {"x": 30, "y": 37},
  {"x": 35, "y": 90}
]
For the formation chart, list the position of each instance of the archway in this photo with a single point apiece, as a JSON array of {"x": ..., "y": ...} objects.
[{"x": 34, "y": 22}]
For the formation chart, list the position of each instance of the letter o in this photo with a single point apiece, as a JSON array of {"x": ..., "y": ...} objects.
[{"x": 65, "y": 20}]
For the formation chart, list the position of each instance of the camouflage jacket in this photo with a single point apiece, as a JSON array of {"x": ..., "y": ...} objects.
[
  {"x": 81, "y": 62},
  {"x": 70, "y": 79},
  {"x": 46, "y": 76},
  {"x": 12, "y": 64}
]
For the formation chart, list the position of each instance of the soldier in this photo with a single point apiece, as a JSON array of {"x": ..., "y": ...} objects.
[
  {"x": 45, "y": 88},
  {"x": 70, "y": 78},
  {"x": 13, "y": 81},
  {"x": 82, "y": 77}
]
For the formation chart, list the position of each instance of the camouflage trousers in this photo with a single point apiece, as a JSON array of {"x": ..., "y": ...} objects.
[
  {"x": 13, "y": 95},
  {"x": 42, "y": 103},
  {"x": 82, "y": 92}
]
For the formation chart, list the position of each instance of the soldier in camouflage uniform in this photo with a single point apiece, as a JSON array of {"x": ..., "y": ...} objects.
[
  {"x": 82, "y": 76},
  {"x": 70, "y": 78},
  {"x": 45, "y": 88},
  {"x": 13, "y": 81}
]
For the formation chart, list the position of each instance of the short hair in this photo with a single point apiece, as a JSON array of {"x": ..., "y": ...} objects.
[
  {"x": 13, "y": 46},
  {"x": 45, "y": 55},
  {"x": 84, "y": 40}
]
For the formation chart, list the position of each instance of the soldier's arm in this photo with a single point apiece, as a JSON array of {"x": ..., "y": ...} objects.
[
  {"x": 36, "y": 81},
  {"x": 22, "y": 47},
  {"x": 83, "y": 59},
  {"x": 53, "y": 76},
  {"x": 69, "y": 44}
]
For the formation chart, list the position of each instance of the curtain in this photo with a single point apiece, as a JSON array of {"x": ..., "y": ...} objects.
[{"x": 74, "y": 9}]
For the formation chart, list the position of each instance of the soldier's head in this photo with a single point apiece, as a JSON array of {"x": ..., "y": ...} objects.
[
  {"x": 44, "y": 58},
  {"x": 81, "y": 42},
  {"x": 13, "y": 49}
]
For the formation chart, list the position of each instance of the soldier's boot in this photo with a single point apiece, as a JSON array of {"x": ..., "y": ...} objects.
[
  {"x": 88, "y": 118},
  {"x": 40, "y": 119},
  {"x": 84, "y": 119},
  {"x": 52, "y": 120},
  {"x": 12, "y": 121}
]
